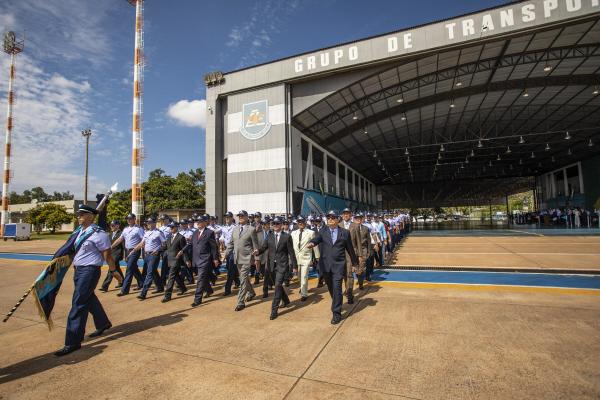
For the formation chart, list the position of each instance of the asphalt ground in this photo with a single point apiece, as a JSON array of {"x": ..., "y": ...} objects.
[{"x": 410, "y": 334}]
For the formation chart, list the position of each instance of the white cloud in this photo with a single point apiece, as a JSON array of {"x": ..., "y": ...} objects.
[{"x": 189, "y": 113}]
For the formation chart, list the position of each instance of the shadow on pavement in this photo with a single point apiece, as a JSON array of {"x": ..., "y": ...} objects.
[{"x": 49, "y": 361}]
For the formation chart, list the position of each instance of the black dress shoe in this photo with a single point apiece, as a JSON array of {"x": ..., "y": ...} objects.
[
  {"x": 336, "y": 319},
  {"x": 158, "y": 291},
  {"x": 320, "y": 284},
  {"x": 240, "y": 307},
  {"x": 226, "y": 293},
  {"x": 121, "y": 294},
  {"x": 285, "y": 303},
  {"x": 287, "y": 283},
  {"x": 118, "y": 286},
  {"x": 100, "y": 331},
  {"x": 196, "y": 303},
  {"x": 303, "y": 298},
  {"x": 250, "y": 297},
  {"x": 182, "y": 291},
  {"x": 273, "y": 315},
  {"x": 67, "y": 349},
  {"x": 103, "y": 290},
  {"x": 165, "y": 300},
  {"x": 350, "y": 300},
  {"x": 361, "y": 287},
  {"x": 265, "y": 295},
  {"x": 141, "y": 297}
]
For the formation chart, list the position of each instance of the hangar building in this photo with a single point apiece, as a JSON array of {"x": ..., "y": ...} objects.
[{"x": 455, "y": 112}]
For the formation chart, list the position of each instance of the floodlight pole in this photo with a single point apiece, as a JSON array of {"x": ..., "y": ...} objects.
[{"x": 86, "y": 134}]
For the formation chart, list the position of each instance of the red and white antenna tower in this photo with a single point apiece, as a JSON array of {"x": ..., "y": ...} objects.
[
  {"x": 13, "y": 47},
  {"x": 138, "y": 80}
]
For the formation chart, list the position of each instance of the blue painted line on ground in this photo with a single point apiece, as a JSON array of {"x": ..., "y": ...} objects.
[
  {"x": 491, "y": 278},
  {"x": 458, "y": 277}
]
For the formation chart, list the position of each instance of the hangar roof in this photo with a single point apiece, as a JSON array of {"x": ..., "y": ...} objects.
[{"x": 507, "y": 107}]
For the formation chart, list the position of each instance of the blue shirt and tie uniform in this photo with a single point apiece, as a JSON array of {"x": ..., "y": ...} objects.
[
  {"x": 153, "y": 241},
  {"x": 132, "y": 236},
  {"x": 87, "y": 261}
]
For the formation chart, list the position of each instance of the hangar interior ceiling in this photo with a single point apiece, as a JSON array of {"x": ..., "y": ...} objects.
[{"x": 485, "y": 117}]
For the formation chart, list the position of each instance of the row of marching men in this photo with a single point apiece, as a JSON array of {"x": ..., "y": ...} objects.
[
  {"x": 199, "y": 246},
  {"x": 272, "y": 248}
]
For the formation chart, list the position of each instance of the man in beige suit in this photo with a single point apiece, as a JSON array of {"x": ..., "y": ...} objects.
[
  {"x": 243, "y": 242},
  {"x": 361, "y": 241},
  {"x": 304, "y": 255}
]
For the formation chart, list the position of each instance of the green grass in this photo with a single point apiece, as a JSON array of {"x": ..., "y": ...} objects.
[{"x": 50, "y": 236}]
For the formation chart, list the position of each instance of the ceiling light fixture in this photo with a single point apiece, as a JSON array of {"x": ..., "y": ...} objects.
[
  {"x": 508, "y": 150},
  {"x": 567, "y": 136},
  {"x": 459, "y": 83},
  {"x": 472, "y": 153},
  {"x": 355, "y": 117},
  {"x": 406, "y": 151},
  {"x": 596, "y": 91},
  {"x": 547, "y": 147},
  {"x": 521, "y": 140},
  {"x": 498, "y": 158},
  {"x": 399, "y": 100},
  {"x": 532, "y": 155},
  {"x": 374, "y": 153},
  {"x": 547, "y": 67},
  {"x": 479, "y": 144},
  {"x": 590, "y": 143},
  {"x": 525, "y": 93},
  {"x": 403, "y": 117},
  {"x": 569, "y": 152}
]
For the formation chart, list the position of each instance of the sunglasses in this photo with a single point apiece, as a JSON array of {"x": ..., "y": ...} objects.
[{"x": 331, "y": 217}]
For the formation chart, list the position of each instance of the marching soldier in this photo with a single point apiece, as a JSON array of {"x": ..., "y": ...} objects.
[
  {"x": 361, "y": 241},
  {"x": 243, "y": 244},
  {"x": 347, "y": 224},
  {"x": 225, "y": 239},
  {"x": 117, "y": 254},
  {"x": 165, "y": 220},
  {"x": 205, "y": 255},
  {"x": 281, "y": 253},
  {"x": 92, "y": 249},
  {"x": 151, "y": 243},
  {"x": 175, "y": 251},
  {"x": 132, "y": 236},
  {"x": 304, "y": 255}
]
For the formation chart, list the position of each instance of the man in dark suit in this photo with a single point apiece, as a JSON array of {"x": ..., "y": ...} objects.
[
  {"x": 281, "y": 252},
  {"x": 205, "y": 256},
  {"x": 174, "y": 249},
  {"x": 333, "y": 243},
  {"x": 117, "y": 254}
]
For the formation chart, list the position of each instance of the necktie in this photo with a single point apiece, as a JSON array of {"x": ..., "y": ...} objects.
[
  {"x": 300, "y": 239},
  {"x": 241, "y": 230},
  {"x": 276, "y": 239}
]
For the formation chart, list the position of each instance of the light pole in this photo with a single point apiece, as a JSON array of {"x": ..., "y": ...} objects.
[{"x": 86, "y": 134}]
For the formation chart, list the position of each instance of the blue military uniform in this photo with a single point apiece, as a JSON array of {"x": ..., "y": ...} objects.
[
  {"x": 153, "y": 242},
  {"x": 88, "y": 261},
  {"x": 132, "y": 235}
]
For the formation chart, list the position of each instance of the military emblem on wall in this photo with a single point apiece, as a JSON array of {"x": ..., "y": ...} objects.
[{"x": 255, "y": 120}]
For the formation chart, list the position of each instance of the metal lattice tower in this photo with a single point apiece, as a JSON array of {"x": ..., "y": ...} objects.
[
  {"x": 137, "y": 140},
  {"x": 13, "y": 47}
]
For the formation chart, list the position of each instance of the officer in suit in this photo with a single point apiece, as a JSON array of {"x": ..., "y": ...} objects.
[
  {"x": 117, "y": 254},
  {"x": 268, "y": 274},
  {"x": 361, "y": 241},
  {"x": 205, "y": 256},
  {"x": 243, "y": 243},
  {"x": 304, "y": 255},
  {"x": 151, "y": 243},
  {"x": 281, "y": 252},
  {"x": 94, "y": 249},
  {"x": 187, "y": 234},
  {"x": 333, "y": 243},
  {"x": 132, "y": 236},
  {"x": 346, "y": 223},
  {"x": 174, "y": 248}
]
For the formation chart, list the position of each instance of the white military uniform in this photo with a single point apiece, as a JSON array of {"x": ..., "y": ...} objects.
[{"x": 304, "y": 256}]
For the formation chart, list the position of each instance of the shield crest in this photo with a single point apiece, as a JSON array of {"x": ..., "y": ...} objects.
[{"x": 255, "y": 120}]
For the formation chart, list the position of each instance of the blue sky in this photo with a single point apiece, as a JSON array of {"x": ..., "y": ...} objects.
[{"x": 76, "y": 72}]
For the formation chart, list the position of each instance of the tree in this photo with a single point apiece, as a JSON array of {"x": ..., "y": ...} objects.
[
  {"x": 52, "y": 216},
  {"x": 119, "y": 206}
]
